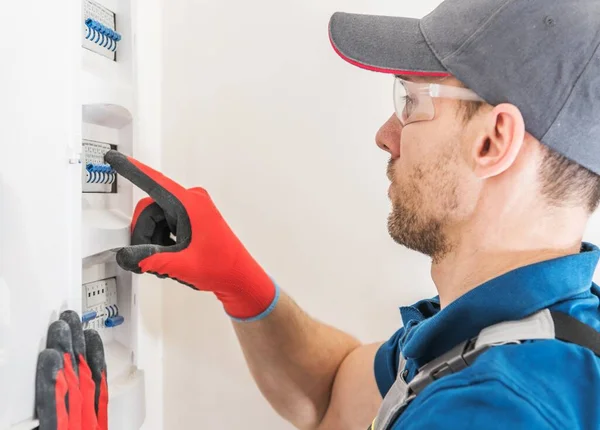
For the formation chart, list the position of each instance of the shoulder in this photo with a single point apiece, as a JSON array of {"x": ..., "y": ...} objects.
[{"x": 541, "y": 384}]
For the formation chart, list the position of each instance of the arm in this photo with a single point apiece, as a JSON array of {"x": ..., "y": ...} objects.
[{"x": 313, "y": 375}]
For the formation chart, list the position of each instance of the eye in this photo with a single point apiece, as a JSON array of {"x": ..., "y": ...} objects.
[{"x": 409, "y": 105}]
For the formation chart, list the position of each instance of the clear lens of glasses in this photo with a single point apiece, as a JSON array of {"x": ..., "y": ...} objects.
[{"x": 412, "y": 102}]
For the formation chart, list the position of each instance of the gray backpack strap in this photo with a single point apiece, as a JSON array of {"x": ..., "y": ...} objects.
[
  {"x": 394, "y": 400},
  {"x": 537, "y": 326}
]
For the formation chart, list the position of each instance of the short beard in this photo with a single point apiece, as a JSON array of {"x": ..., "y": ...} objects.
[
  {"x": 410, "y": 226},
  {"x": 424, "y": 236}
]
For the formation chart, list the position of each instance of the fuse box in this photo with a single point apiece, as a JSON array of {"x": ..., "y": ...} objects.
[
  {"x": 99, "y": 308},
  {"x": 99, "y": 30},
  {"x": 98, "y": 176}
]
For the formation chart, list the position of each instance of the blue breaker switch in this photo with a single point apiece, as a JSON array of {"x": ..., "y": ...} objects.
[
  {"x": 88, "y": 316},
  {"x": 114, "y": 321}
]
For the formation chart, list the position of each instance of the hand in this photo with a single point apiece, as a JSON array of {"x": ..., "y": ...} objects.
[
  {"x": 71, "y": 386},
  {"x": 205, "y": 254}
]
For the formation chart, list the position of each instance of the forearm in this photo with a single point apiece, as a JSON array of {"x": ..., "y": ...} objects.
[{"x": 294, "y": 360}]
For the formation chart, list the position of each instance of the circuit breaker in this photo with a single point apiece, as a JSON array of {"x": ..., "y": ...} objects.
[
  {"x": 99, "y": 308},
  {"x": 98, "y": 176},
  {"x": 99, "y": 30}
]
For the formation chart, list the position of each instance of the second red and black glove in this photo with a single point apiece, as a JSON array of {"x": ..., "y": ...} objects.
[{"x": 71, "y": 386}]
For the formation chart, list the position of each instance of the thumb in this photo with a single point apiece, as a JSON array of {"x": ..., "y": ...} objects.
[
  {"x": 161, "y": 261},
  {"x": 130, "y": 257}
]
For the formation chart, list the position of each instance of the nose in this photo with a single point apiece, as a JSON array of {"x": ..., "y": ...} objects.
[{"x": 388, "y": 136}]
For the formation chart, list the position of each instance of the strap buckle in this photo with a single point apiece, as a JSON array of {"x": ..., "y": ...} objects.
[{"x": 454, "y": 360}]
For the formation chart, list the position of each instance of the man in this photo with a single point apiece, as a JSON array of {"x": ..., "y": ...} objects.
[{"x": 494, "y": 169}]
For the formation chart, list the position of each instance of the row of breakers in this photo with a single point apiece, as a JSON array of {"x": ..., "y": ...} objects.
[
  {"x": 101, "y": 34},
  {"x": 99, "y": 174}
]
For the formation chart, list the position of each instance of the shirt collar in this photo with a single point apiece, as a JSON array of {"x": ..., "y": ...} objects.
[{"x": 430, "y": 331}]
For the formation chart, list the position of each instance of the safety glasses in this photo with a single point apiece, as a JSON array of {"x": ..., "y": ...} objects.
[{"x": 414, "y": 101}]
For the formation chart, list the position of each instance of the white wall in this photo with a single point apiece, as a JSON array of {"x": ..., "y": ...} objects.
[
  {"x": 260, "y": 111},
  {"x": 39, "y": 247}
]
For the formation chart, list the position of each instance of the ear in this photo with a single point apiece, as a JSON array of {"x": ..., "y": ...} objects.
[{"x": 500, "y": 141}]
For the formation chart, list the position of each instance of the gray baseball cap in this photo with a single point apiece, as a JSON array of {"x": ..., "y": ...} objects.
[{"x": 542, "y": 56}]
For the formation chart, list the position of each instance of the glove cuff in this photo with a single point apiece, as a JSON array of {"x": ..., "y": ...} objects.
[
  {"x": 264, "y": 313},
  {"x": 248, "y": 293}
]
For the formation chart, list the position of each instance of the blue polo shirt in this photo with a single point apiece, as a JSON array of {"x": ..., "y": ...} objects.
[{"x": 544, "y": 384}]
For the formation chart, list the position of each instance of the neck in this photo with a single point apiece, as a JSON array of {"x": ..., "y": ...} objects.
[{"x": 488, "y": 252}]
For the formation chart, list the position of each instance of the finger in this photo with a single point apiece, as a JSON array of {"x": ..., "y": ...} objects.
[
  {"x": 151, "y": 258},
  {"x": 169, "y": 265},
  {"x": 96, "y": 361},
  {"x": 74, "y": 402},
  {"x": 139, "y": 209},
  {"x": 151, "y": 234},
  {"x": 77, "y": 339},
  {"x": 166, "y": 192},
  {"x": 51, "y": 391},
  {"x": 88, "y": 395},
  {"x": 60, "y": 339},
  {"x": 157, "y": 260},
  {"x": 130, "y": 257},
  {"x": 80, "y": 367},
  {"x": 152, "y": 227},
  {"x": 152, "y": 248}
]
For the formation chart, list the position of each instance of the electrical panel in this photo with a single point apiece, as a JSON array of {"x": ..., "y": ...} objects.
[
  {"x": 98, "y": 176},
  {"x": 99, "y": 30},
  {"x": 99, "y": 307},
  {"x": 108, "y": 114},
  {"x": 92, "y": 86}
]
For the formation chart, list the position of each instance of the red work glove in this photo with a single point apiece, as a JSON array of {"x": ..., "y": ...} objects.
[
  {"x": 70, "y": 393},
  {"x": 206, "y": 254}
]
